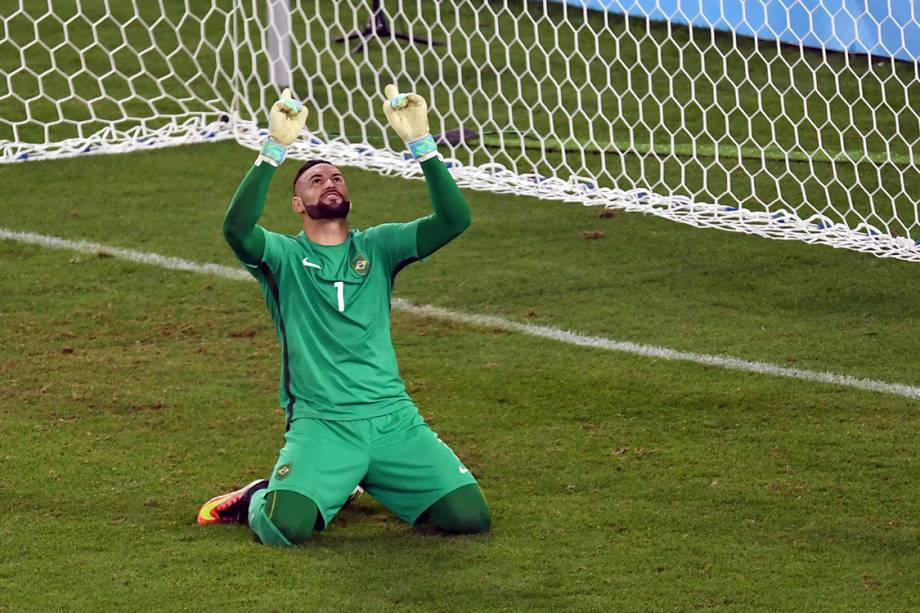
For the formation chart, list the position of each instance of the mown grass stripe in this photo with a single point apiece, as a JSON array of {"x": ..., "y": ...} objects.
[{"x": 490, "y": 321}]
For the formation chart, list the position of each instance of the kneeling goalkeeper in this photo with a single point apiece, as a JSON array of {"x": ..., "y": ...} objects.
[{"x": 349, "y": 418}]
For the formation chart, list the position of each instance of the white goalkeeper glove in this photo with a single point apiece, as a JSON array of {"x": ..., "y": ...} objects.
[
  {"x": 408, "y": 114},
  {"x": 285, "y": 121}
]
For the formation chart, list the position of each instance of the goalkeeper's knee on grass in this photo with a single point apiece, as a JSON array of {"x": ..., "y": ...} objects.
[
  {"x": 282, "y": 517},
  {"x": 463, "y": 511}
]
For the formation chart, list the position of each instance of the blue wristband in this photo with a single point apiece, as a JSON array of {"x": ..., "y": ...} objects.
[
  {"x": 273, "y": 151},
  {"x": 423, "y": 148}
]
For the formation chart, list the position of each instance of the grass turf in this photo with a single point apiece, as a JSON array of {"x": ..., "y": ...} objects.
[{"x": 617, "y": 482}]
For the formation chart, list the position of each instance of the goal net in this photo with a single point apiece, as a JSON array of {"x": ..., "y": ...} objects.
[{"x": 690, "y": 123}]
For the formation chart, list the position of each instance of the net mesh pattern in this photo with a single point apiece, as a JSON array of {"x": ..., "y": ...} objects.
[{"x": 531, "y": 98}]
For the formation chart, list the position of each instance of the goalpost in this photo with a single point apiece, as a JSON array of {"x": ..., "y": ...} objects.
[{"x": 691, "y": 123}]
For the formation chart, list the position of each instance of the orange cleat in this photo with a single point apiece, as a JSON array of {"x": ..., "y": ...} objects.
[{"x": 232, "y": 507}]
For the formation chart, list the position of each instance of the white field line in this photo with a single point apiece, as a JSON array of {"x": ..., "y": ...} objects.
[{"x": 489, "y": 321}]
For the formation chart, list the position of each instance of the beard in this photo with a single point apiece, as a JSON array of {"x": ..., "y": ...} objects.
[{"x": 329, "y": 210}]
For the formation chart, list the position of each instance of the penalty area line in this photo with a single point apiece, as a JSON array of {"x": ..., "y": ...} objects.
[{"x": 488, "y": 321}]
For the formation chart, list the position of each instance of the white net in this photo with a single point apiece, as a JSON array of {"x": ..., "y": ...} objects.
[
  {"x": 82, "y": 77},
  {"x": 538, "y": 98}
]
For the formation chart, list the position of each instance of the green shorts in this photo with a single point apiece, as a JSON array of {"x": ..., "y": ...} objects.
[{"x": 397, "y": 458}]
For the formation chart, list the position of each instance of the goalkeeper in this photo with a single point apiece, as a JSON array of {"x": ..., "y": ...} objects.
[{"x": 349, "y": 418}]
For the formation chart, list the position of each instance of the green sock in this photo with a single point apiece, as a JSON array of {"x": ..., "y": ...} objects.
[
  {"x": 282, "y": 517},
  {"x": 463, "y": 511}
]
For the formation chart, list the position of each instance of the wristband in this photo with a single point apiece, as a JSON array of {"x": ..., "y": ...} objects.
[
  {"x": 272, "y": 152},
  {"x": 423, "y": 148}
]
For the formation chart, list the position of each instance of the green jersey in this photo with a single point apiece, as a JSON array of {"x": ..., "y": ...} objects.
[
  {"x": 331, "y": 304},
  {"x": 331, "y": 308}
]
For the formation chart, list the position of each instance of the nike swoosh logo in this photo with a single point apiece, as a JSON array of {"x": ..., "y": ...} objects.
[
  {"x": 463, "y": 470},
  {"x": 306, "y": 262}
]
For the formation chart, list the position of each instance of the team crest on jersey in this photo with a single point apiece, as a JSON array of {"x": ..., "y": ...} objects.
[
  {"x": 360, "y": 264},
  {"x": 283, "y": 471}
]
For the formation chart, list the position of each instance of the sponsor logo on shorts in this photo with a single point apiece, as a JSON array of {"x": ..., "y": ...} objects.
[
  {"x": 360, "y": 264},
  {"x": 283, "y": 471},
  {"x": 464, "y": 470}
]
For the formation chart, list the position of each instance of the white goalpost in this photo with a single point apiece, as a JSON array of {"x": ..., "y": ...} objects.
[{"x": 674, "y": 115}]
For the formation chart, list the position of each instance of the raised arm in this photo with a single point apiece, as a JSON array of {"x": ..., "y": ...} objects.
[
  {"x": 451, "y": 212},
  {"x": 286, "y": 120},
  {"x": 408, "y": 115},
  {"x": 243, "y": 235}
]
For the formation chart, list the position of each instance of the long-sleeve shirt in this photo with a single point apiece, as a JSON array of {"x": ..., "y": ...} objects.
[{"x": 331, "y": 303}]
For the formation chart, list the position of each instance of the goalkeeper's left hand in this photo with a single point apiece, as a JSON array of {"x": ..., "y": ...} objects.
[
  {"x": 285, "y": 122},
  {"x": 408, "y": 114}
]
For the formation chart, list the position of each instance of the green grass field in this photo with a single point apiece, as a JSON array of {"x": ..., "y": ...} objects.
[{"x": 131, "y": 394}]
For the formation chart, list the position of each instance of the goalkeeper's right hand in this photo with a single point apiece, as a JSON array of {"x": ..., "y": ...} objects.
[{"x": 285, "y": 121}]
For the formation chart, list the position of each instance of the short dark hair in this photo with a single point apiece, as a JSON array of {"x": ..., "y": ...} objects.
[{"x": 307, "y": 166}]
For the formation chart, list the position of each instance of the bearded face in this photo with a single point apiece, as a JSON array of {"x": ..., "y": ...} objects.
[
  {"x": 323, "y": 193},
  {"x": 332, "y": 204}
]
